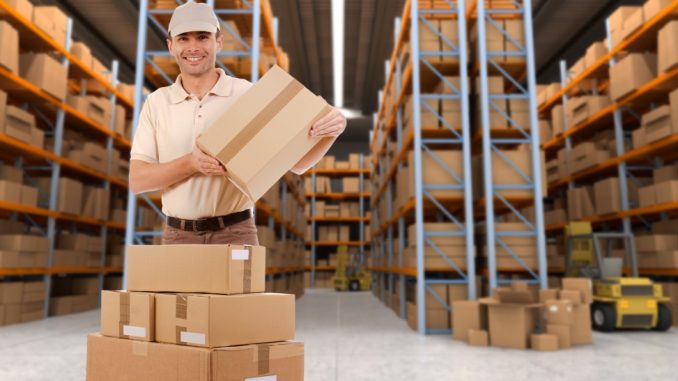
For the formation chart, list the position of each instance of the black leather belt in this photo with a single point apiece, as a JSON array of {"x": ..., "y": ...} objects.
[{"x": 209, "y": 224}]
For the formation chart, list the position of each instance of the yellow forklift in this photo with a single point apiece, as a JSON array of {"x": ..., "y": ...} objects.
[
  {"x": 348, "y": 275},
  {"x": 618, "y": 302}
]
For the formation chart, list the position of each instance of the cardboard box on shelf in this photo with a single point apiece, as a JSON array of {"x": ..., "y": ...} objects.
[
  {"x": 666, "y": 191},
  {"x": 10, "y": 192},
  {"x": 45, "y": 72},
  {"x": 82, "y": 52},
  {"x": 581, "y": 108},
  {"x": 656, "y": 242},
  {"x": 9, "y": 55},
  {"x": 18, "y": 123},
  {"x": 616, "y": 21},
  {"x": 647, "y": 196},
  {"x": 657, "y": 124},
  {"x": 607, "y": 198},
  {"x": 129, "y": 315},
  {"x": 23, "y": 242},
  {"x": 665, "y": 173},
  {"x": 256, "y": 155},
  {"x": 544, "y": 342},
  {"x": 351, "y": 184},
  {"x": 11, "y": 292},
  {"x": 23, "y": 7},
  {"x": 436, "y": 318},
  {"x": 52, "y": 21},
  {"x": 667, "y": 40},
  {"x": 632, "y": 72},
  {"x": 11, "y": 173},
  {"x": 223, "y": 269},
  {"x": 191, "y": 319},
  {"x": 595, "y": 51},
  {"x": 29, "y": 196},
  {"x": 433, "y": 259},
  {"x": 584, "y": 285},
  {"x": 34, "y": 292},
  {"x": 440, "y": 240},
  {"x": 639, "y": 137},
  {"x": 281, "y": 361}
]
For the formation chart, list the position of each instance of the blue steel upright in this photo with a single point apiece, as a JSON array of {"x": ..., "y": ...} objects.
[
  {"x": 460, "y": 138},
  {"x": 529, "y": 136}
]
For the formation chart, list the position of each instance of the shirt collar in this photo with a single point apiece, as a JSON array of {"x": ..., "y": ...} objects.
[{"x": 223, "y": 88}]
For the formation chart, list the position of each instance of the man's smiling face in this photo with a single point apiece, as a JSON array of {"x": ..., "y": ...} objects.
[{"x": 195, "y": 52}]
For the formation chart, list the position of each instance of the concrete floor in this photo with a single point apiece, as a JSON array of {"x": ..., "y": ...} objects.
[{"x": 354, "y": 337}]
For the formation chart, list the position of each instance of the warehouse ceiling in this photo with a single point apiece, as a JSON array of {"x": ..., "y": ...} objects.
[{"x": 562, "y": 29}]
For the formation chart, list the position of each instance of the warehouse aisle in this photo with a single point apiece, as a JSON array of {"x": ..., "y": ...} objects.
[{"x": 346, "y": 335}]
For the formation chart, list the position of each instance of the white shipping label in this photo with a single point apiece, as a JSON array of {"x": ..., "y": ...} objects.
[
  {"x": 240, "y": 255},
  {"x": 131, "y": 330},
  {"x": 192, "y": 338},
  {"x": 553, "y": 308},
  {"x": 263, "y": 378}
]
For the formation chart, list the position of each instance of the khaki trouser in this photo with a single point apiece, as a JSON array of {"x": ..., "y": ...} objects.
[{"x": 241, "y": 233}]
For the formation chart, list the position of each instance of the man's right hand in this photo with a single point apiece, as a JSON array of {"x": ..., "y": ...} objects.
[{"x": 205, "y": 164}]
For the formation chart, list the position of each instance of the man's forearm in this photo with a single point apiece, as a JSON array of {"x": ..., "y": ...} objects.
[
  {"x": 314, "y": 155},
  {"x": 147, "y": 177}
]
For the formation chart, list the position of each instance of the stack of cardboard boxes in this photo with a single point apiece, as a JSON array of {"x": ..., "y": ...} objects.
[
  {"x": 73, "y": 295},
  {"x": 438, "y": 317},
  {"x": 21, "y": 250},
  {"x": 331, "y": 162},
  {"x": 13, "y": 189},
  {"x": 209, "y": 314},
  {"x": 659, "y": 249},
  {"x": 77, "y": 250},
  {"x": 515, "y": 317},
  {"x": 22, "y": 301}
]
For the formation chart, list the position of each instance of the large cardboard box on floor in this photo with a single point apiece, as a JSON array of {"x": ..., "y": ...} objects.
[
  {"x": 118, "y": 359},
  {"x": 129, "y": 315},
  {"x": 512, "y": 314},
  {"x": 217, "y": 269},
  {"x": 467, "y": 315},
  {"x": 265, "y": 132},
  {"x": 224, "y": 320}
]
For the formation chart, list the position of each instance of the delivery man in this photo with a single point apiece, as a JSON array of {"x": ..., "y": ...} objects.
[{"x": 202, "y": 206}]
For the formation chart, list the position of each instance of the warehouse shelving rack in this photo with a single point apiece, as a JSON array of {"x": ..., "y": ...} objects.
[
  {"x": 423, "y": 140},
  {"x": 245, "y": 12},
  {"x": 521, "y": 77},
  {"x": 57, "y": 114},
  {"x": 612, "y": 116},
  {"x": 361, "y": 219}
]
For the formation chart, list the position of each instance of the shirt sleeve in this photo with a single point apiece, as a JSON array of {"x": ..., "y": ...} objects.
[{"x": 145, "y": 144}]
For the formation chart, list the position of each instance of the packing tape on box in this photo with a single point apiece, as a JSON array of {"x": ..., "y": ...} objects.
[
  {"x": 260, "y": 121},
  {"x": 247, "y": 272},
  {"x": 263, "y": 358},
  {"x": 181, "y": 312},
  {"x": 123, "y": 320}
]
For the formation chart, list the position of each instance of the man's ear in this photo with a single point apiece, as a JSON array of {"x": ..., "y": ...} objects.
[
  {"x": 169, "y": 44},
  {"x": 220, "y": 41}
]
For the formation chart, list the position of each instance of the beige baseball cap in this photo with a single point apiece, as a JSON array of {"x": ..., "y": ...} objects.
[{"x": 193, "y": 17}]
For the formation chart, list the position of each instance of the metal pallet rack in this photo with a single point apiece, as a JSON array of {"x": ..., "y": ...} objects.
[
  {"x": 314, "y": 219},
  {"x": 625, "y": 161},
  {"x": 522, "y": 80},
  {"x": 261, "y": 19},
  {"x": 56, "y": 114},
  {"x": 423, "y": 141}
]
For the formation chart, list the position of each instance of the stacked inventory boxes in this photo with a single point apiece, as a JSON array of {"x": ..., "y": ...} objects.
[{"x": 195, "y": 312}]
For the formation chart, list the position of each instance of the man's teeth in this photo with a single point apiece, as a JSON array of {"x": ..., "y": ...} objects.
[{"x": 193, "y": 58}]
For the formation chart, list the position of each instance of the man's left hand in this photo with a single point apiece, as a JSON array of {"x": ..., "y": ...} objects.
[{"x": 331, "y": 125}]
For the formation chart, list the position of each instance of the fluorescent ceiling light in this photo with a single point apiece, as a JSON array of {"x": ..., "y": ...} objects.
[{"x": 338, "y": 51}]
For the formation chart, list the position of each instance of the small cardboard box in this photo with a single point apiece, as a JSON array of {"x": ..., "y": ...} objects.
[
  {"x": 224, "y": 320},
  {"x": 265, "y": 133},
  {"x": 24, "y": 7},
  {"x": 656, "y": 242},
  {"x": 283, "y": 361},
  {"x": 351, "y": 184},
  {"x": 52, "y": 20},
  {"x": 82, "y": 52},
  {"x": 129, "y": 315},
  {"x": 511, "y": 324},
  {"x": 9, "y": 40},
  {"x": 217, "y": 269},
  {"x": 563, "y": 332},
  {"x": 544, "y": 342},
  {"x": 580, "y": 331},
  {"x": 573, "y": 296},
  {"x": 45, "y": 72},
  {"x": 478, "y": 338},
  {"x": 23, "y": 242}
]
